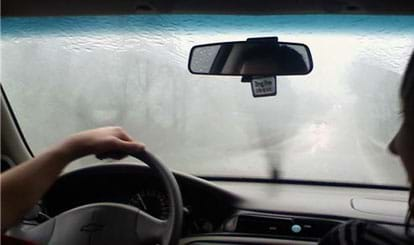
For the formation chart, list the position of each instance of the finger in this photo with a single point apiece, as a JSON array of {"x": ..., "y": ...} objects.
[
  {"x": 111, "y": 155},
  {"x": 118, "y": 146},
  {"x": 126, "y": 147},
  {"x": 121, "y": 149},
  {"x": 124, "y": 136},
  {"x": 121, "y": 134},
  {"x": 131, "y": 147}
]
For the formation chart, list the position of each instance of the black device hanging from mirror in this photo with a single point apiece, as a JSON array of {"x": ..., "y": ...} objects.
[{"x": 262, "y": 86}]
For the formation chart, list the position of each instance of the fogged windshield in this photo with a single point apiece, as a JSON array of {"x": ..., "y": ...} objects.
[{"x": 66, "y": 74}]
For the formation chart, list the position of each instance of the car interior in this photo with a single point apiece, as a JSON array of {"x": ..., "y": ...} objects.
[{"x": 176, "y": 207}]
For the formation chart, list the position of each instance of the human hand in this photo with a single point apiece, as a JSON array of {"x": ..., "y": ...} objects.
[{"x": 106, "y": 142}]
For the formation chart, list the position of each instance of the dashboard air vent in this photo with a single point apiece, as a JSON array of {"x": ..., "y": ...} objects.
[{"x": 281, "y": 226}]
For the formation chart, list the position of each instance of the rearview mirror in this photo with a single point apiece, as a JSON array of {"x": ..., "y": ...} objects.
[{"x": 251, "y": 58}]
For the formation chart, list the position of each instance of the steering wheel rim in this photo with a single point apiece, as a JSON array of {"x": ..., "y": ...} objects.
[
  {"x": 175, "y": 216},
  {"x": 106, "y": 223}
]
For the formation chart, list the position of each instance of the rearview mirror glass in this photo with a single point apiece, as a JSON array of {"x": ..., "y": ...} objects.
[{"x": 251, "y": 58}]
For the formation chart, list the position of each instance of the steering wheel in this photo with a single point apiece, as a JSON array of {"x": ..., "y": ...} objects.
[{"x": 113, "y": 223}]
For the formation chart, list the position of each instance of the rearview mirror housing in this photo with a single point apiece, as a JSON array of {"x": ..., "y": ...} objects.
[{"x": 254, "y": 57}]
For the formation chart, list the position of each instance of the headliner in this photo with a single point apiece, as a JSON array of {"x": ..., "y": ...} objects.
[{"x": 108, "y": 7}]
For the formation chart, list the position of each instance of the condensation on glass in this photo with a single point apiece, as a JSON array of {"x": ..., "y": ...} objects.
[{"x": 66, "y": 74}]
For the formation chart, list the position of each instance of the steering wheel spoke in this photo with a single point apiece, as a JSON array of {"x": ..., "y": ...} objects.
[
  {"x": 113, "y": 223},
  {"x": 151, "y": 230}
]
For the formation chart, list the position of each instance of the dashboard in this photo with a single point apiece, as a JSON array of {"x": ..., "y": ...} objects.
[
  {"x": 205, "y": 206},
  {"x": 230, "y": 212}
]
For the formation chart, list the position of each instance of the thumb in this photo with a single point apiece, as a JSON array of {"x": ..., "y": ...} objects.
[{"x": 131, "y": 146}]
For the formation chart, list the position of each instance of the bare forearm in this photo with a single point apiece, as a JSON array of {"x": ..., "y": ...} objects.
[{"x": 23, "y": 186}]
